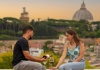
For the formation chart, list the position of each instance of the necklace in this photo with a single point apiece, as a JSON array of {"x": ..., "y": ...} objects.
[{"x": 71, "y": 43}]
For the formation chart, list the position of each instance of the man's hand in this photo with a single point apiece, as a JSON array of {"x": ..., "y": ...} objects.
[{"x": 43, "y": 59}]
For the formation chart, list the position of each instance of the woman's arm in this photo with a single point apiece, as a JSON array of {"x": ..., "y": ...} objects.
[
  {"x": 63, "y": 56},
  {"x": 81, "y": 55}
]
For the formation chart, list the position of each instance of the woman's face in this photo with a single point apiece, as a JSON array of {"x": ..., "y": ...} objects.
[{"x": 69, "y": 37}]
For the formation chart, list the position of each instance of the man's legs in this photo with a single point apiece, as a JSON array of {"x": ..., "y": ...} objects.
[{"x": 29, "y": 65}]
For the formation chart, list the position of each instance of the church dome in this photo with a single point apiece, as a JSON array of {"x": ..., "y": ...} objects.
[{"x": 83, "y": 14}]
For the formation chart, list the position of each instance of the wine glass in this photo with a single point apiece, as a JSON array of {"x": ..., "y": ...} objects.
[
  {"x": 45, "y": 62},
  {"x": 51, "y": 61}
]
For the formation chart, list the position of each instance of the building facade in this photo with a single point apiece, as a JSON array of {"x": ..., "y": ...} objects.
[
  {"x": 97, "y": 49},
  {"x": 24, "y": 16},
  {"x": 36, "y": 52},
  {"x": 83, "y": 14}
]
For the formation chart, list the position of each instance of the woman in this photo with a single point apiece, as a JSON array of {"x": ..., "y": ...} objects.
[{"x": 74, "y": 47}]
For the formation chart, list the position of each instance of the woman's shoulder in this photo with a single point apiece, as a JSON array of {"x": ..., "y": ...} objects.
[
  {"x": 67, "y": 43},
  {"x": 81, "y": 43}
]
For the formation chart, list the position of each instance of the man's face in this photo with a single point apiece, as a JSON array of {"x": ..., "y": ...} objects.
[{"x": 31, "y": 33}]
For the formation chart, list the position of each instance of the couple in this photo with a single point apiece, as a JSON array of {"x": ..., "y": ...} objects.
[{"x": 74, "y": 47}]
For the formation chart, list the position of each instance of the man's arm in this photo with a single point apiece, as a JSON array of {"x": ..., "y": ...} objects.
[
  {"x": 25, "y": 49},
  {"x": 29, "y": 57}
]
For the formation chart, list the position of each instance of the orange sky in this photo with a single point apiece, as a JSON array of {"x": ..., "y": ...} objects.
[{"x": 58, "y": 9}]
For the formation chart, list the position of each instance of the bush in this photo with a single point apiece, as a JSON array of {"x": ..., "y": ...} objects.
[
  {"x": 88, "y": 65},
  {"x": 45, "y": 47},
  {"x": 45, "y": 37},
  {"x": 5, "y": 60},
  {"x": 7, "y": 37},
  {"x": 19, "y": 33},
  {"x": 8, "y": 32}
]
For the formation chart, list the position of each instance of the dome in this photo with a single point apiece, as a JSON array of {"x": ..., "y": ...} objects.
[{"x": 83, "y": 14}]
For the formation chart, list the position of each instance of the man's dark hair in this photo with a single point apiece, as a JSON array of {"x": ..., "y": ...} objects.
[{"x": 26, "y": 28}]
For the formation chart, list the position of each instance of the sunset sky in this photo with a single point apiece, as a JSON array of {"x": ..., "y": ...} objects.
[{"x": 58, "y": 9}]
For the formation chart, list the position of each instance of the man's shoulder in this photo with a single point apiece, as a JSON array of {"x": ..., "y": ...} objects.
[{"x": 21, "y": 39}]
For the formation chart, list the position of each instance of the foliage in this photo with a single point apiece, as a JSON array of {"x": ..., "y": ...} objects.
[
  {"x": 5, "y": 60},
  {"x": 8, "y": 32},
  {"x": 1, "y": 44},
  {"x": 48, "y": 42},
  {"x": 7, "y": 37},
  {"x": 45, "y": 47},
  {"x": 50, "y": 28},
  {"x": 88, "y": 65},
  {"x": 19, "y": 33}
]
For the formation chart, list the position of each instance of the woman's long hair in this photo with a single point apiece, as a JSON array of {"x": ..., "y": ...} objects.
[{"x": 75, "y": 36}]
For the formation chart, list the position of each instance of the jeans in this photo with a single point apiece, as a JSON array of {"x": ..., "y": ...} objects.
[
  {"x": 29, "y": 65},
  {"x": 72, "y": 66}
]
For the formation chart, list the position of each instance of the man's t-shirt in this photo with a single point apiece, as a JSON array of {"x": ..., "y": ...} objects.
[{"x": 20, "y": 46}]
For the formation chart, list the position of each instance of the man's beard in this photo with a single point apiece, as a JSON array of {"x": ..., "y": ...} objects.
[{"x": 30, "y": 38}]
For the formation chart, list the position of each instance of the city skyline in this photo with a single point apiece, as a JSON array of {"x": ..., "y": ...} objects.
[{"x": 57, "y": 9}]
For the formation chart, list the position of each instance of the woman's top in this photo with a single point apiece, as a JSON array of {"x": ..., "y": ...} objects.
[{"x": 73, "y": 53}]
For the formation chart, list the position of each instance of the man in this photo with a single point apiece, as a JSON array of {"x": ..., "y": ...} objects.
[{"x": 22, "y": 60}]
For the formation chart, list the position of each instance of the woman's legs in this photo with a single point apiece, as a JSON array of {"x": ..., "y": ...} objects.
[{"x": 72, "y": 66}]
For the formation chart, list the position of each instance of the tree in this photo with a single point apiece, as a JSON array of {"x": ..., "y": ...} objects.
[
  {"x": 98, "y": 33},
  {"x": 45, "y": 47},
  {"x": 19, "y": 33}
]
